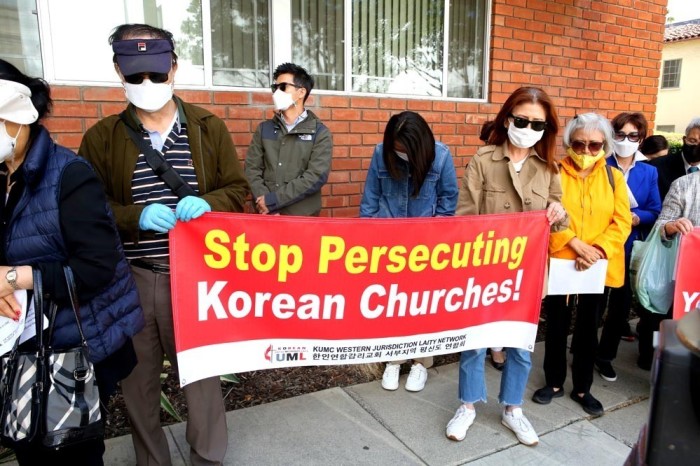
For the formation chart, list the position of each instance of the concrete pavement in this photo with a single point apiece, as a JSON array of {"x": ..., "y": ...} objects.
[{"x": 364, "y": 424}]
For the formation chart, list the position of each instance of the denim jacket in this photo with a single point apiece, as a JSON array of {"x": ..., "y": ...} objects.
[{"x": 386, "y": 197}]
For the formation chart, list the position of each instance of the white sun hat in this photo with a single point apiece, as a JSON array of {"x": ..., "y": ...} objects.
[{"x": 16, "y": 103}]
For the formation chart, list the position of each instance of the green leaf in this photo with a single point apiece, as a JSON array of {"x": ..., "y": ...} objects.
[
  {"x": 6, "y": 455},
  {"x": 168, "y": 407},
  {"x": 231, "y": 378}
]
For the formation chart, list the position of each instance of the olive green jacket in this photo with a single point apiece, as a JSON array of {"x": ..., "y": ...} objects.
[
  {"x": 112, "y": 153},
  {"x": 290, "y": 168}
]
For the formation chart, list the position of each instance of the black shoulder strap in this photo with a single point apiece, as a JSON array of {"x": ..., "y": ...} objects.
[
  {"x": 158, "y": 164},
  {"x": 608, "y": 168}
]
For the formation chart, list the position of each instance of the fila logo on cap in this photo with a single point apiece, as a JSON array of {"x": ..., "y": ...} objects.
[{"x": 141, "y": 46}]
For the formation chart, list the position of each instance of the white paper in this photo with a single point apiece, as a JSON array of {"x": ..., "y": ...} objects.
[
  {"x": 565, "y": 279},
  {"x": 11, "y": 330},
  {"x": 30, "y": 324}
]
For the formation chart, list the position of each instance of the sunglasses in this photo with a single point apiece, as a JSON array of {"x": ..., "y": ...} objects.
[
  {"x": 282, "y": 86},
  {"x": 523, "y": 122},
  {"x": 580, "y": 146},
  {"x": 632, "y": 137},
  {"x": 155, "y": 78}
]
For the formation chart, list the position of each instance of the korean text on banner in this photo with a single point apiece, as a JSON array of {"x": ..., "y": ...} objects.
[{"x": 255, "y": 292}]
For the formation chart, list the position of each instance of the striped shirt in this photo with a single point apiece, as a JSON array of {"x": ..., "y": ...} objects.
[{"x": 147, "y": 188}]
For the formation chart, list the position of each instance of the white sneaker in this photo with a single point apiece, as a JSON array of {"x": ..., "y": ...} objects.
[
  {"x": 416, "y": 378},
  {"x": 521, "y": 427},
  {"x": 390, "y": 379},
  {"x": 460, "y": 423}
]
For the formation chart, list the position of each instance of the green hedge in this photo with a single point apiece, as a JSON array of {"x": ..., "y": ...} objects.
[{"x": 675, "y": 140}]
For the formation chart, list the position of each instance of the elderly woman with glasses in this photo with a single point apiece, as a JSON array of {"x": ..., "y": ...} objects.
[
  {"x": 596, "y": 199},
  {"x": 630, "y": 129}
]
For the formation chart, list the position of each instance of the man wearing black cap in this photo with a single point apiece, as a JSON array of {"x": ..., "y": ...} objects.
[{"x": 201, "y": 173}]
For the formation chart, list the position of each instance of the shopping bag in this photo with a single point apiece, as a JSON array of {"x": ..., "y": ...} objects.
[{"x": 652, "y": 269}]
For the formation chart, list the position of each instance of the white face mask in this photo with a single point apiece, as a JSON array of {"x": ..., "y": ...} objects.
[
  {"x": 149, "y": 96},
  {"x": 625, "y": 148},
  {"x": 523, "y": 138},
  {"x": 402, "y": 155},
  {"x": 7, "y": 142},
  {"x": 282, "y": 100}
]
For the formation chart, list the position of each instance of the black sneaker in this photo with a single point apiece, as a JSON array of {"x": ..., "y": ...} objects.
[
  {"x": 606, "y": 371},
  {"x": 588, "y": 403},
  {"x": 544, "y": 395}
]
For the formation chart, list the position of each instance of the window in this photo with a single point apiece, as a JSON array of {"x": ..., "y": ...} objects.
[
  {"x": 666, "y": 128},
  {"x": 432, "y": 48},
  {"x": 83, "y": 53},
  {"x": 671, "y": 74},
  {"x": 19, "y": 35}
]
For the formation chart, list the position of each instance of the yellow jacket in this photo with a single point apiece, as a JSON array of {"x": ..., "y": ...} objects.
[{"x": 597, "y": 216}]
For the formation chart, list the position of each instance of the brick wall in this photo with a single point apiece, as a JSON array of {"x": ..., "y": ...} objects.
[{"x": 588, "y": 55}]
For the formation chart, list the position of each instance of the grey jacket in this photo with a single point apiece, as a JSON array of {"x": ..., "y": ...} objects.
[{"x": 290, "y": 168}]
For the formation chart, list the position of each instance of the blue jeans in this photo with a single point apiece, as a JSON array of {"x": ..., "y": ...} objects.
[{"x": 472, "y": 385}]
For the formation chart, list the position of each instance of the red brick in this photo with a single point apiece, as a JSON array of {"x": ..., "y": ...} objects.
[
  {"x": 69, "y": 140},
  {"x": 392, "y": 104},
  {"x": 249, "y": 113},
  {"x": 64, "y": 125},
  {"x": 346, "y": 164},
  {"x": 347, "y": 139},
  {"x": 103, "y": 94},
  {"x": 68, "y": 93},
  {"x": 64, "y": 108},
  {"x": 376, "y": 115},
  {"x": 242, "y": 98},
  {"x": 335, "y": 101},
  {"x": 364, "y": 102},
  {"x": 444, "y": 106},
  {"x": 346, "y": 114},
  {"x": 418, "y": 105}
]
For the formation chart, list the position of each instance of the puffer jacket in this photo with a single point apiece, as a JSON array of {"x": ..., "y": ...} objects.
[{"x": 34, "y": 236}]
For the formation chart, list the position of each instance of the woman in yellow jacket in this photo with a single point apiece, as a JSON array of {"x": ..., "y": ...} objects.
[{"x": 596, "y": 199}]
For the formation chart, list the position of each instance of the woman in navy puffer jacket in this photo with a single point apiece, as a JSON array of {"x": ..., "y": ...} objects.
[{"x": 54, "y": 213}]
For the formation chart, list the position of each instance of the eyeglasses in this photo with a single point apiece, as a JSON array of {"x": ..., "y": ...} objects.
[
  {"x": 580, "y": 146},
  {"x": 156, "y": 78},
  {"x": 282, "y": 86},
  {"x": 523, "y": 122},
  {"x": 632, "y": 137}
]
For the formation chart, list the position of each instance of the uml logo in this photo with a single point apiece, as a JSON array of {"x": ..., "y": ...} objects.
[{"x": 285, "y": 354}]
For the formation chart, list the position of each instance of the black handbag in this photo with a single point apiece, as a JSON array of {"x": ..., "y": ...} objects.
[{"x": 50, "y": 392}]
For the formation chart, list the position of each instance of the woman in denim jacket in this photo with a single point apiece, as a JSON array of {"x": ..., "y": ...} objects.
[{"x": 411, "y": 175}]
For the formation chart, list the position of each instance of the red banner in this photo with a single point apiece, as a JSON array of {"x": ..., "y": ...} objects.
[
  {"x": 256, "y": 292},
  {"x": 686, "y": 296}
]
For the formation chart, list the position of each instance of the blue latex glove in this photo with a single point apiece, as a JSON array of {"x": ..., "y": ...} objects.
[
  {"x": 157, "y": 217},
  {"x": 191, "y": 207}
]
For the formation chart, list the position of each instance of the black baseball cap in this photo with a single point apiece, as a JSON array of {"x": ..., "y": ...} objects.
[{"x": 143, "y": 55}]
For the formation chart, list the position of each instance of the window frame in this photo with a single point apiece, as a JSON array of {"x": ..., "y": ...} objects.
[
  {"x": 677, "y": 73},
  {"x": 280, "y": 52}
]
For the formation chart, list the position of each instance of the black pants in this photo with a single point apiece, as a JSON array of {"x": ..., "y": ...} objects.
[
  {"x": 558, "y": 309},
  {"x": 616, "y": 322},
  {"x": 649, "y": 323}
]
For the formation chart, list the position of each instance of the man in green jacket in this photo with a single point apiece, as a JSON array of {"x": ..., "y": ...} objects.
[
  {"x": 198, "y": 148},
  {"x": 289, "y": 159}
]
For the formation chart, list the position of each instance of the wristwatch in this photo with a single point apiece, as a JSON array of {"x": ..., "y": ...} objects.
[{"x": 11, "y": 277}]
